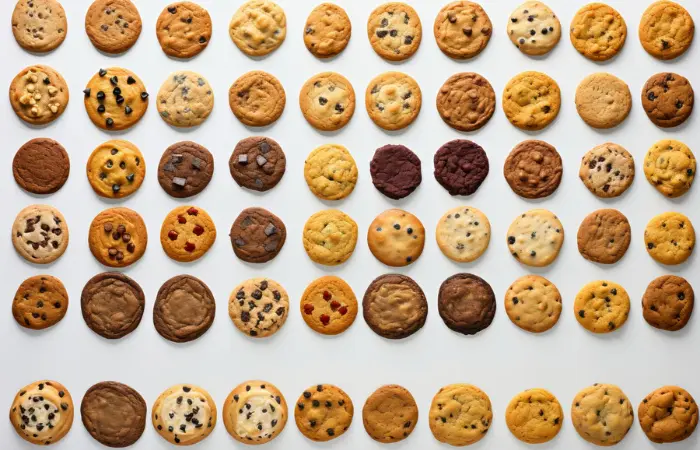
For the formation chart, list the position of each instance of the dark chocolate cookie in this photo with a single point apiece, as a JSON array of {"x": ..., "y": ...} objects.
[
  {"x": 396, "y": 171},
  {"x": 257, "y": 235},
  {"x": 257, "y": 163},
  {"x": 114, "y": 414},
  {"x": 461, "y": 166},
  {"x": 185, "y": 169},
  {"x": 184, "y": 309},
  {"x": 668, "y": 303},
  {"x": 112, "y": 304},
  {"x": 394, "y": 306},
  {"x": 533, "y": 169},
  {"x": 466, "y": 303},
  {"x": 41, "y": 166},
  {"x": 668, "y": 99}
]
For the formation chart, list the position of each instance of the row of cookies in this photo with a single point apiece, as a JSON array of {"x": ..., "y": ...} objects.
[{"x": 255, "y": 412}]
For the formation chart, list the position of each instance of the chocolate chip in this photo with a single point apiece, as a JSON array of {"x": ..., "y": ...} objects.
[{"x": 102, "y": 72}]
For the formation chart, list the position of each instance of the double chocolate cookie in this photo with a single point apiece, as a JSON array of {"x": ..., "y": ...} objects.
[
  {"x": 461, "y": 166},
  {"x": 41, "y": 166},
  {"x": 257, "y": 235},
  {"x": 466, "y": 303},
  {"x": 257, "y": 163},
  {"x": 184, "y": 309},
  {"x": 112, "y": 304},
  {"x": 185, "y": 169},
  {"x": 396, "y": 171}
]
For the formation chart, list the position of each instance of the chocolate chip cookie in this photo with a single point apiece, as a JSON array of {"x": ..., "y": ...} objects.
[
  {"x": 259, "y": 307},
  {"x": 533, "y": 303},
  {"x": 185, "y": 169},
  {"x": 607, "y": 170},
  {"x": 187, "y": 233},
  {"x": 185, "y": 99},
  {"x": 116, "y": 169},
  {"x": 118, "y": 237},
  {"x": 461, "y": 166},
  {"x": 602, "y": 414},
  {"x": 184, "y": 414},
  {"x": 394, "y": 30},
  {"x": 602, "y": 306},
  {"x": 394, "y": 306},
  {"x": 38, "y": 95},
  {"x": 670, "y": 238},
  {"x": 39, "y": 25},
  {"x": 112, "y": 304},
  {"x": 462, "y": 29},
  {"x": 604, "y": 236},
  {"x": 668, "y": 99},
  {"x": 323, "y": 412},
  {"x": 466, "y": 101},
  {"x": 42, "y": 412},
  {"x": 534, "y": 29},
  {"x": 330, "y": 237},
  {"x": 460, "y": 414},
  {"x": 257, "y": 235},
  {"x": 531, "y": 101},
  {"x": 670, "y": 166},
  {"x": 598, "y": 31},
  {"x": 40, "y": 302},
  {"x": 114, "y": 414},
  {"x": 41, "y": 166},
  {"x": 257, "y": 163},
  {"x": 669, "y": 414},
  {"x": 393, "y": 100},
  {"x": 396, "y": 171},
  {"x": 258, "y": 27},
  {"x": 183, "y": 29},
  {"x": 257, "y": 99},
  {"x": 463, "y": 234},
  {"x": 327, "y": 101},
  {"x": 113, "y": 26},
  {"x": 534, "y": 416},
  {"x": 327, "y": 30},
  {"x": 666, "y": 30},
  {"x": 328, "y": 305},
  {"x": 396, "y": 238},
  {"x": 255, "y": 412},
  {"x": 115, "y": 99},
  {"x": 533, "y": 169},
  {"x": 466, "y": 303},
  {"x": 603, "y": 100},
  {"x": 184, "y": 309},
  {"x": 668, "y": 303},
  {"x": 390, "y": 414},
  {"x": 535, "y": 238},
  {"x": 330, "y": 172},
  {"x": 40, "y": 234}
]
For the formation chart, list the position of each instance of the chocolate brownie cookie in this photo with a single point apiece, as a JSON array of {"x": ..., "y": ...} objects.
[
  {"x": 118, "y": 237},
  {"x": 462, "y": 29},
  {"x": 327, "y": 101},
  {"x": 184, "y": 414},
  {"x": 466, "y": 101},
  {"x": 396, "y": 171},
  {"x": 42, "y": 412},
  {"x": 603, "y": 100},
  {"x": 669, "y": 414},
  {"x": 396, "y": 238},
  {"x": 113, "y": 26},
  {"x": 255, "y": 412},
  {"x": 116, "y": 169},
  {"x": 668, "y": 99},
  {"x": 257, "y": 163},
  {"x": 327, "y": 30},
  {"x": 666, "y": 30},
  {"x": 390, "y": 414},
  {"x": 330, "y": 172},
  {"x": 463, "y": 234},
  {"x": 534, "y": 416},
  {"x": 39, "y": 25},
  {"x": 41, "y": 166},
  {"x": 259, "y": 307},
  {"x": 670, "y": 238},
  {"x": 607, "y": 170},
  {"x": 531, "y": 100},
  {"x": 535, "y": 238},
  {"x": 461, "y": 166},
  {"x": 393, "y": 100},
  {"x": 257, "y": 99},
  {"x": 330, "y": 237},
  {"x": 460, "y": 414},
  {"x": 112, "y": 304},
  {"x": 668, "y": 302},
  {"x": 184, "y": 309},
  {"x": 40, "y": 302},
  {"x": 115, "y": 99},
  {"x": 114, "y": 414},
  {"x": 328, "y": 305},
  {"x": 602, "y": 306},
  {"x": 466, "y": 303},
  {"x": 39, "y": 95},
  {"x": 185, "y": 169},
  {"x": 187, "y": 233},
  {"x": 394, "y": 30},
  {"x": 323, "y": 412},
  {"x": 598, "y": 31},
  {"x": 534, "y": 28},
  {"x": 604, "y": 236},
  {"x": 40, "y": 234},
  {"x": 185, "y": 99},
  {"x": 258, "y": 27},
  {"x": 670, "y": 167},
  {"x": 533, "y": 303},
  {"x": 533, "y": 169},
  {"x": 257, "y": 235},
  {"x": 183, "y": 29},
  {"x": 394, "y": 306},
  {"x": 602, "y": 414}
]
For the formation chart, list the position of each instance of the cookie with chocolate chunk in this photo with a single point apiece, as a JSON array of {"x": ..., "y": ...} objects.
[
  {"x": 118, "y": 237},
  {"x": 327, "y": 30},
  {"x": 116, "y": 169},
  {"x": 40, "y": 234},
  {"x": 255, "y": 412},
  {"x": 115, "y": 99},
  {"x": 257, "y": 235},
  {"x": 668, "y": 99},
  {"x": 394, "y": 306},
  {"x": 114, "y": 414},
  {"x": 534, "y": 29},
  {"x": 602, "y": 306},
  {"x": 327, "y": 101},
  {"x": 183, "y": 29},
  {"x": 184, "y": 309},
  {"x": 42, "y": 412},
  {"x": 466, "y": 303},
  {"x": 323, "y": 412},
  {"x": 394, "y": 30},
  {"x": 602, "y": 414},
  {"x": 112, "y": 304},
  {"x": 40, "y": 302},
  {"x": 607, "y": 170},
  {"x": 39, "y": 95},
  {"x": 533, "y": 169},
  {"x": 185, "y": 169},
  {"x": 461, "y": 166},
  {"x": 668, "y": 303},
  {"x": 462, "y": 29},
  {"x": 257, "y": 163},
  {"x": 41, "y": 166},
  {"x": 39, "y": 25},
  {"x": 396, "y": 171},
  {"x": 184, "y": 414},
  {"x": 113, "y": 26},
  {"x": 258, "y": 307}
]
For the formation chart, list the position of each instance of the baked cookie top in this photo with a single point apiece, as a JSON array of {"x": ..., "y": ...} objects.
[
  {"x": 466, "y": 303},
  {"x": 40, "y": 234},
  {"x": 607, "y": 170},
  {"x": 461, "y": 166},
  {"x": 533, "y": 169},
  {"x": 258, "y": 27},
  {"x": 670, "y": 166},
  {"x": 670, "y": 238},
  {"x": 38, "y": 95},
  {"x": 394, "y": 30},
  {"x": 669, "y": 414},
  {"x": 258, "y": 163},
  {"x": 328, "y": 305},
  {"x": 598, "y": 31},
  {"x": 323, "y": 412},
  {"x": 394, "y": 306},
  {"x": 118, "y": 237},
  {"x": 396, "y": 237},
  {"x": 463, "y": 234},
  {"x": 327, "y": 101},
  {"x": 668, "y": 99},
  {"x": 534, "y": 416},
  {"x": 533, "y": 303},
  {"x": 531, "y": 100},
  {"x": 113, "y": 26},
  {"x": 187, "y": 233},
  {"x": 330, "y": 172},
  {"x": 183, "y": 29},
  {"x": 42, "y": 412},
  {"x": 257, "y": 98},
  {"x": 114, "y": 414},
  {"x": 603, "y": 100},
  {"x": 602, "y": 414},
  {"x": 460, "y": 414},
  {"x": 40, "y": 302},
  {"x": 393, "y": 100},
  {"x": 668, "y": 303},
  {"x": 327, "y": 30},
  {"x": 41, "y": 166},
  {"x": 390, "y": 414},
  {"x": 112, "y": 304},
  {"x": 604, "y": 236},
  {"x": 184, "y": 414},
  {"x": 535, "y": 238},
  {"x": 466, "y": 101},
  {"x": 184, "y": 309},
  {"x": 259, "y": 307},
  {"x": 185, "y": 99},
  {"x": 115, "y": 99},
  {"x": 396, "y": 171},
  {"x": 185, "y": 169},
  {"x": 257, "y": 235},
  {"x": 602, "y": 306},
  {"x": 534, "y": 28},
  {"x": 330, "y": 237},
  {"x": 666, "y": 30},
  {"x": 116, "y": 169},
  {"x": 255, "y": 412},
  {"x": 462, "y": 29},
  {"x": 39, "y": 25}
]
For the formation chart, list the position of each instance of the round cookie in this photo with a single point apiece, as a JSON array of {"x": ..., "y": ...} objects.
[
  {"x": 257, "y": 235},
  {"x": 185, "y": 99},
  {"x": 463, "y": 234},
  {"x": 462, "y": 29},
  {"x": 257, "y": 99},
  {"x": 460, "y": 414},
  {"x": 40, "y": 234},
  {"x": 184, "y": 414},
  {"x": 40, "y": 302},
  {"x": 461, "y": 166},
  {"x": 533, "y": 169},
  {"x": 112, "y": 304},
  {"x": 39, "y": 25},
  {"x": 258, "y": 27},
  {"x": 466, "y": 303},
  {"x": 602, "y": 414},
  {"x": 184, "y": 309},
  {"x": 118, "y": 237},
  {"x": 327, "y": 101},
  {"x": 393, "y": 100},
  {"x": 602, "y": 306},
  {"x": 604, "y": 236},
  {"x": 603, "y": 100},
  {"x": 669, "y": 166},
  {"x": 116, "y": 169},
  {"x": 328, "y": 305},
  {"x": 669, "y": 414},
  {"x": 394, "y": 30},
  {"x": 257, "y": 163},
  {"x": 607, "y": 170},
  {"x": 183, "y": 29},
  {"x": 113, "y": 26},
  {"x": 534, "y": 29},
  {"x": 396, "y": 171},
  {"x": 396, "y": 237},
  {"x": 330, "y": 237},
  {"x": 323, "y": 412},
  {"x": 535, "y": 238},
  {"x": 115, "y": 99},
  {"x": 255, "y": 412},
  {"x": 390, "y": 414},
  {"x": 187, "y": 233},
  {"x": 668, "y": 99},
  {"x": 533, "y": 303},
  {"x": 114, "y": 414},
  {"x": 466, "y": 101},
  {"x": 39, "y": 95},
  {"x": 330, "y": 172},
  {"x": 327, "y": 30},
  {"x": 394, "y": 306},
  {"x": 670, "y": 238},
  {"x": 666, "y": 30},
  {"x": 42, "y": 412},
  {"x": 534, "y": 416},
  {"x": 531, "y": 100},
  {"x": 185, "y": 169},
  {"x": 264, "y": 301},
  {"x": 598, "y": 31},
  {"x": 668, "y": 303},
  {"x": 41, "y": 166}
]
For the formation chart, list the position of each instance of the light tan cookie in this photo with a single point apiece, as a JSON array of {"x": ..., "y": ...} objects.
[
  {"x": 603, "y": 100},
  {"x": 466, "y": 101},
  {"x": 118, "y": 237},
  {"x": 602, "y": 414},
  {"x": 460, "y": 414},
  {"x": 38, "y": 95},
  {"x": 598, "y": 31},
  {"x": 327, "y": 101},
  {"x": 396, "y": 237},
  {"x": 668, "y": 303},
  {"x": 185, "y": 99},
  {"x": 534, "y": 28},
  {"x": 604, "y": 236},
  {"x": 393, "y": 100},
  {"x": 255, "y": 412},
  {"x": 184, "y": 414},
  {"x": 394, "y": 30},
  {"x": 258, "y": 307},
  {"x": 602, "y": 306},
  {"x": 330, "y": 172},
  {"x": 39, "y": 25},
  {"x": 40, "y": 302},
  {"x": 666, "y": 30},
  {"x": 330, "y": 237},
  {"x": 115, "y": 99},
  {"x": 535, "y": 238},
  {"x": 113, "y": 26},
  {"x": 323, "y": 412},
  {"x": 531, "y": 100},
  {"x": 670, "y": 238},
  {"x": 187, "y": 233},
  {"x": 534, "y": 416},
  {"x": 40, "y": 234},
  {"x": 669, "y": 414},
  {"x": 257, "y": 99},
  {"x": 463, "y": 234},
  {"x": 462, "y": 29},
  {"x": 390, "y": 414},
  {"x": 183, "y": 29},
  {"x": 607, "y": 170},
  {"x": 258, "y": 27},
  {"x": 328, "y": 305},
  {"x": 669, "y": 166},
  {"x": 327, "y": 30},
  {"x": 42, "y": 412},
  {"x": 116, "y": 169},
  {"x": 533, "y": 303}
]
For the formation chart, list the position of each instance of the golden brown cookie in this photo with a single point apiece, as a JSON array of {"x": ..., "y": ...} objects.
[
  {"x": 603, "y": 100},
  {"x": 463, "y": 234},
  {"x": 330, "y": 172},
  {"x": 184, "y": 414},
  {"x": 328, "y": 305},
  {"x": 669, "y": 414},
  {"x": 187, "y": 233},
  {"x": 396, "y": 237},
  {"x": 183, "y": 29},
  {"x": 40, "y": 302},
  {"x": 466, "y": 101},
  {"x": 323, "y": 412},
  {"x": 39, "y": 25},
  {"x": 668, "y": 303},
  {"x": 602, "y": 306},
  {"x": 670, "y": 238},
  {"x": 666, "y": 30},
  {"x": 116, "y": 169},
  {"x": 669, "y": 166},
  {"x": 602, "y": 414},
  {"x": 118, "y": 237},
  {"x": 327, "y": 101},
  {"x": 113, "y": 26},
  {"x": 607, "y": 170},
  {"x": 462, "y": 29},
  {"x": 534, "y": 416},
  {"x": 327, "y": 30},
  {"x": 38, "y": 95},
  {"x": 258, "y": 307},
  {"x": 40, "y": 234},
  {"x": 258, "y": 27},
  {"x": 598, "y": 31},
  {"x": 531, "y": 100},
  {"x": 42, "y": 412},
  {"x": 255, "y": 412},
  {"x": 533, "y": 303},
  {"x": 534, "y": 28},
  {"x": 115, "y": 99},
  {"x": 390, "y": 414},
  {"x": 604, "y": 236},
  {"x": 460, "y": 414},
  {"x": 394, "y": 30},
  {"x": 330, "y": 237},
  {"x": 185, "y": 99},
  {"x": 393, "y": 100},
  {"x": 257, "y": 99}
]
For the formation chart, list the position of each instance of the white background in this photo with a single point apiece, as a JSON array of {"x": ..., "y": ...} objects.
[{"x": 502, "y": 360}]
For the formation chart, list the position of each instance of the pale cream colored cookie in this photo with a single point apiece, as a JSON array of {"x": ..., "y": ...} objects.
[
  {"x": 533, "y": 303},
  {"x": 535, "y": 238},
  {"x": 463, "y": 234}
]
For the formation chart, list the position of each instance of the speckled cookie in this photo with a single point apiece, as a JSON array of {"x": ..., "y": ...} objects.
[
  {"x": 118, "y": 237},
  {"x": 185, "y": 169},
  {"x": 42, "y": 412},
  {"x": 668, "y": 99},
  {"x": 466, "y": 101},
  {"x": 533, "y": 169},
  {"x": 40, "y": 302},
  {"x": 534, "y": 28},
  {"x": 183, "y": 29},
  {"x": 602, "y": 306},
  {"x": 466, "y": 303},
  {"x": 185, "y": 99},
  {"x": 666, "y": 30},
  {"x": 598, "y": 31},
  {"x": 330, "y": 237},
  {"x": 39, "y": 25},
  {"x": 394, "y": 30},
  {"x": 257, "y": 99},
  {"x": 668, "y": 303},
  {"x": 187, "y": 233},
  {"x": 327, "y": 30},
  {"x": 535, "y": 238},
  {"x": 323, "y": 412},
  {"x": 396, "y": 171},
  {"x": 40, "y": 234},
  {"x": 390, "y": 414},
  {"x": 330, "y": 172},
  {"x": 669, "y": 414},
  {"x": 184, "y": 414},
  {"x": 113, "y": 26},
  {"x": 669, "y": 166},
  {"x": 258, "y": 27},
  {"x": 533, "y": 303},
  {"x": 603, "y": 100},
  {"x": 461, "y": 166},
  {"x": 257, "y": 163},
  {"x": 112, "y": 304},
  {"x": 116, "y": 169},
  {"x": 670, "y": 238},
  {"x": 393, "y": 100},
  {"x": 462, "y": 29},
  {"x": 327, "y": 101},
  {"x": 604, "y": 236},
  {"x": 463, "y": 234},
  {"x": 115, "y": 99},
  {"x": 184, "y": 309},
  {"x": 41, "y": 166},
  {"x": 255, "y": 412},
  {"x": 114, "y": 414},
  {"x": 534, "y": 416},
  {"x": 257, "y": 235},
  {"x": 394, "y": 306},
  {"x": 328, "y": 305},
  {"x": 396, "y": 238},
  {"x": 607, "y": 170},
  {"x": 602, "y": 414},
  {"x": 38, "y": 95},
  {"x": 258, "y": 307},
  {"x": 460, "y": 414},
  {"x": 531, "y": 100}
]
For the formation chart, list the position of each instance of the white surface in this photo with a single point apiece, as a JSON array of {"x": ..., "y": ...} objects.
[{"x": 503, "y": 360}]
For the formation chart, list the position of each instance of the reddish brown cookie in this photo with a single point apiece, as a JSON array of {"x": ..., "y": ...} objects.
[
  {"x": 668, "y": 99},
  {"x": 184, "y": 309},
  {"x": 466, "y": 303},
  {"x": 185, "y": 169},
  {"x": 533, "y": 169},
  {"x": 257, "y": 235},
  {"x": 396, "y": 171},
  {"x": 41, "y": 166},
  {"x": 668, "y": 303},
  {"x": 112, "y": 304},
  {"x": 461, "y": 166},
  {"x": 257, "y": 163},
  {"x": 604, "y": 236},
  {"x": 40, "y": 302}
]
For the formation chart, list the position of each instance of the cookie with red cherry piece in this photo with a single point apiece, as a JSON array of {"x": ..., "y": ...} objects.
[
  {"x": 328, "y": 305},
  {"x": 187, "y": 233}
]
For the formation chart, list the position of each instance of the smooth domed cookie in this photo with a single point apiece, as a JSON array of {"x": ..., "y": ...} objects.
[
  {"x": 39, "y": 25},
  {"x": 668, "y": 303},
  {"x": 604, "y": 236},
  {"x": 41, "y": 166},
  {"x": 390, "y": 414},
  {"x": 668, "y": 99},
  {"x": 394, "y": 30},
  {"x": 113, "y": 26},
  {"x": 42, "y": 412},
  {"x": 534, "y": 29},
  {"x": 396, "y": 238}
]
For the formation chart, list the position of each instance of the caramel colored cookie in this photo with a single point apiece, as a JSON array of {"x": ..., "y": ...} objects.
[
  {"x": 184, "y": 309},
  {"x": 257, "y": 163},
  {"x": 185, "y": 99},
  {"x": 394, "y": 306},
  {"x": 183, "y": 29},
  {"x": 668, "y": 99},
  {"x": 531, "y": 100},
  {"x": 112, "y": 304},
  {"x": 328, "y": 305},
  {"x": 257, "y": 99},
  {"x": 602, "y": 306},
  {"x": 40, "y": 234},
  {"x": 394, "y": 30},
  {"x": 533, "y": 169},
  {"x": 327, "y": 101},
  {"x": 41, "y": 166},
  {"x": 255, "y": 412},
  {"x": 669, "y": 166},
  {"x": 116, "y": 169},
  {"x": 670, "y": 238},
  {"x": 257, "y": 235},
  {"x": 330, "y": 237},
  {"x": 602, "y": 414},
  {"x": 185, "y": 169},
  {"x": 184, "y": 414},
  {"x": 535, "y": 238},
  {"x": 390, "y": 414},
  {"x": 39, "y": 25},
  {"x": 463, "y": 234},
  {"x": 534, "y": 28},
  {"x": 330, "y": 172},
  {"x": 118, "y": 237},
  {"x": 668, "y": 303},
  {"x": 114, "y": 414},
  {"x": 323, "y": 412},
  {"x": 462, "y": 29},
  {"x": 466, "y": 303},
  {"x": 38, "y": 95},
  {"x": 258, "y": 27},
  {"x": 396, "y": 237},
  {"x": 259, "y": 307},
  {"x": 466, "y": 101},
  {"x": 42, "y": 412},
  {"x": 533, "y": 303},
  {"x": 393, "y": 100},
  {"x": 113, "y": 26},
  {"x": 534, "y": 416},
  {"x": 396, "y": 171},
  {"x": 460, "y": 414},
  {"x": 598, "y": 31},
  {"x": 461, "y": 166},
  {"x": 607, "y": 170},
  {"x": 187, "y": 233},
  {"x": 327, "y": 30},
  {"x": 604, "y": 236},
  {"x": 666, "y": 30},
  {"x": 603, "y": 100},
  {"x": 40, "y": 302},
  {"x": 669, "y": 414},
  {"x": 115, "y": 99}
]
